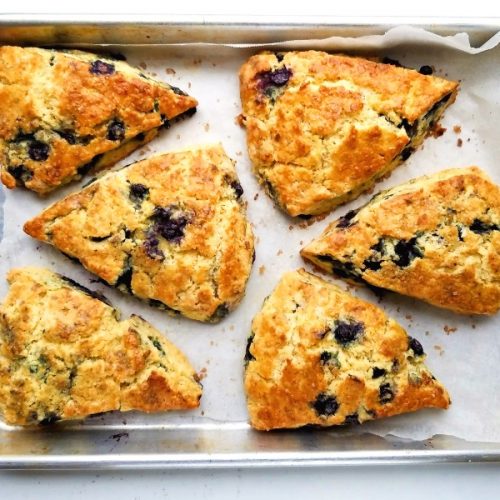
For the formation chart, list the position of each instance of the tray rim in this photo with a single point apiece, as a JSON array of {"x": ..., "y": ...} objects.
[{"x": 201, "y": 460}]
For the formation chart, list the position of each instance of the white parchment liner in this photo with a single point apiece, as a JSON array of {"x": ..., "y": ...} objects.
[{"x": 465, "y": 360}]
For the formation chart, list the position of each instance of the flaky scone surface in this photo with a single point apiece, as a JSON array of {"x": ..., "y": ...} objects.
[
  {"x": 65, "y": 355},
  {"x": 67, "y": 112},
  {"x": 320, "y": 356},
  {"x": 436, "y": 238},
  {"x": 170, "y": 229},
  {"x": 322, "y": 128}
]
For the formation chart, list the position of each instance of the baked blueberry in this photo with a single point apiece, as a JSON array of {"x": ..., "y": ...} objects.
[
  {"x": 346, "y": 332},
  {"x": 170, "y": 223},
  {"x": 138, "y": 192},
  {"x": 352, "y": 419},
  {"x": 325, "y": 405},
  {"x": 21, "y": 173},
  {"x": 385, "y": 393},
  {"x": 151, "y": 245},
  {"x": 346, "y": 220},
  {"x": 406, "y": 252},
  {"x": 480, "y": 227},
  {"x": 248, "y": 355},
  {"x": 238, "y": 190},
  {"x": 38, "y": 151},
  {"x": 99, "y": 67},
  {"x": 116, "y": 131},
  {"x": 378, "y": 372},
  {"x": 426, "y": 70},
  {"x": 415, "y": 346},
  {"x": 274, "y": 78}
]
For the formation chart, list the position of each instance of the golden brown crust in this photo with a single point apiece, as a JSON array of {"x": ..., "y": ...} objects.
[
  {"x": 186, "y": 243},
  {"x": 64, "y": 113},
  {"x": 64, "y": 355},
  {"x": 436, "y": 238},
  {"x": 321, "y": 356},
  {"x": 322, "y": 128}
]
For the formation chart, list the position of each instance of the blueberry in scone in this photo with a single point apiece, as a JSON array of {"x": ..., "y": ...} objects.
[
  {"x": 65, "y": 113},
  {"x": 320, "y": 356},
  {"x": 323, "y": 128},
  {"x": 65, "y": 355},
  {"x": 436, "y": 238},
  {"x": 170, "y": 229}
]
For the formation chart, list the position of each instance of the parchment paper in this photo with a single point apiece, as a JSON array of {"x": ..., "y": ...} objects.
[{"x": 463, "y": 352}]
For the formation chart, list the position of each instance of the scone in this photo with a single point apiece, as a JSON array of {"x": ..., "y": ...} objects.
[
  {"x": 170, "y": 229},
  {"x": 64, "y": 355},
  {"x": 323, "y": 128},
  {"x": 436, "y": 238},
  {"x": 65, "y": 113},
  {"x": 319, "y": 356}
]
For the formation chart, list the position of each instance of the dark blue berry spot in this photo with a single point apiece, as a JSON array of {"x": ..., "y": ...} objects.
[
  {"x": 169, "y": 224},
  {"x": 221, "y": 312},
  {"x": 325, "y": 405},
  {"x": 276, "y": 78},
  {"x": 406, "y": 252},
  {"x": 248, "y": 355},
  {"x": 392, "y": 62},
  {"x": 378, "y": 372},
  {"x": 346, "y": 332},
  {"x": 124, "y": 281},
  {"x": 373, "y": 265},
  {"x": 138, "y": 192},
  {"x": 238, "y": 190},
  {"x": 415, "y": 346},
  {"x": 480, "y": 227},
  {"x": 426, "y": 70},
  {"x": 177, "y": 90},
  {"x": 410, "y": 129},
  {"x": 341, "y": 269},
  {"x": 21, "y": 173},
  {"x": 85, "y": 169},
  {"x": 346, "y": 220},
  {"x": 385, "y": 393},
  {"x": 38, "y": 151},
  {"x": 352, "y": 419},
  {"x": 116, "y": 130},
  {"x": 68, "y": 136},
  {"x": 50, "y": 418},
  {"x": 99, "y": 67},
  {"x": 151, "y": 246},
  {"x": 406, "y": 153},
  {"x": 325, "y": 357}
]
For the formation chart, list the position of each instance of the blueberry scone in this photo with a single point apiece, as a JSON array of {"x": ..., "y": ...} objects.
[
  {"x": 436, "y": 238},
  {"x": 65, "y": 113},
  {"x": 320, "y": 356},
  {"x": 170, "y": 229},
  {"x": 65, "y": 355},
  {"x": 323, "y": 128}
]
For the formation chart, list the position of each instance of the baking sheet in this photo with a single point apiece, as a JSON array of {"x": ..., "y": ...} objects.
[{"x": 462, "y": 351}]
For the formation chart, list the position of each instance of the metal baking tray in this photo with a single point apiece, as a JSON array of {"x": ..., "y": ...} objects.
[{"x": 109, "y": 443}]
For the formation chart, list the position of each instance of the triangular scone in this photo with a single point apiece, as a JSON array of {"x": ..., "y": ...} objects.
[
  {"x": 436, "y": 238},
  {"x": 65, "y": 113},
  {"x": 170, "y": 229},
  {"x": 320, "y": 356},
  {"x": 65, "y": 355},
  {"x": 323, "y": 128}
]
